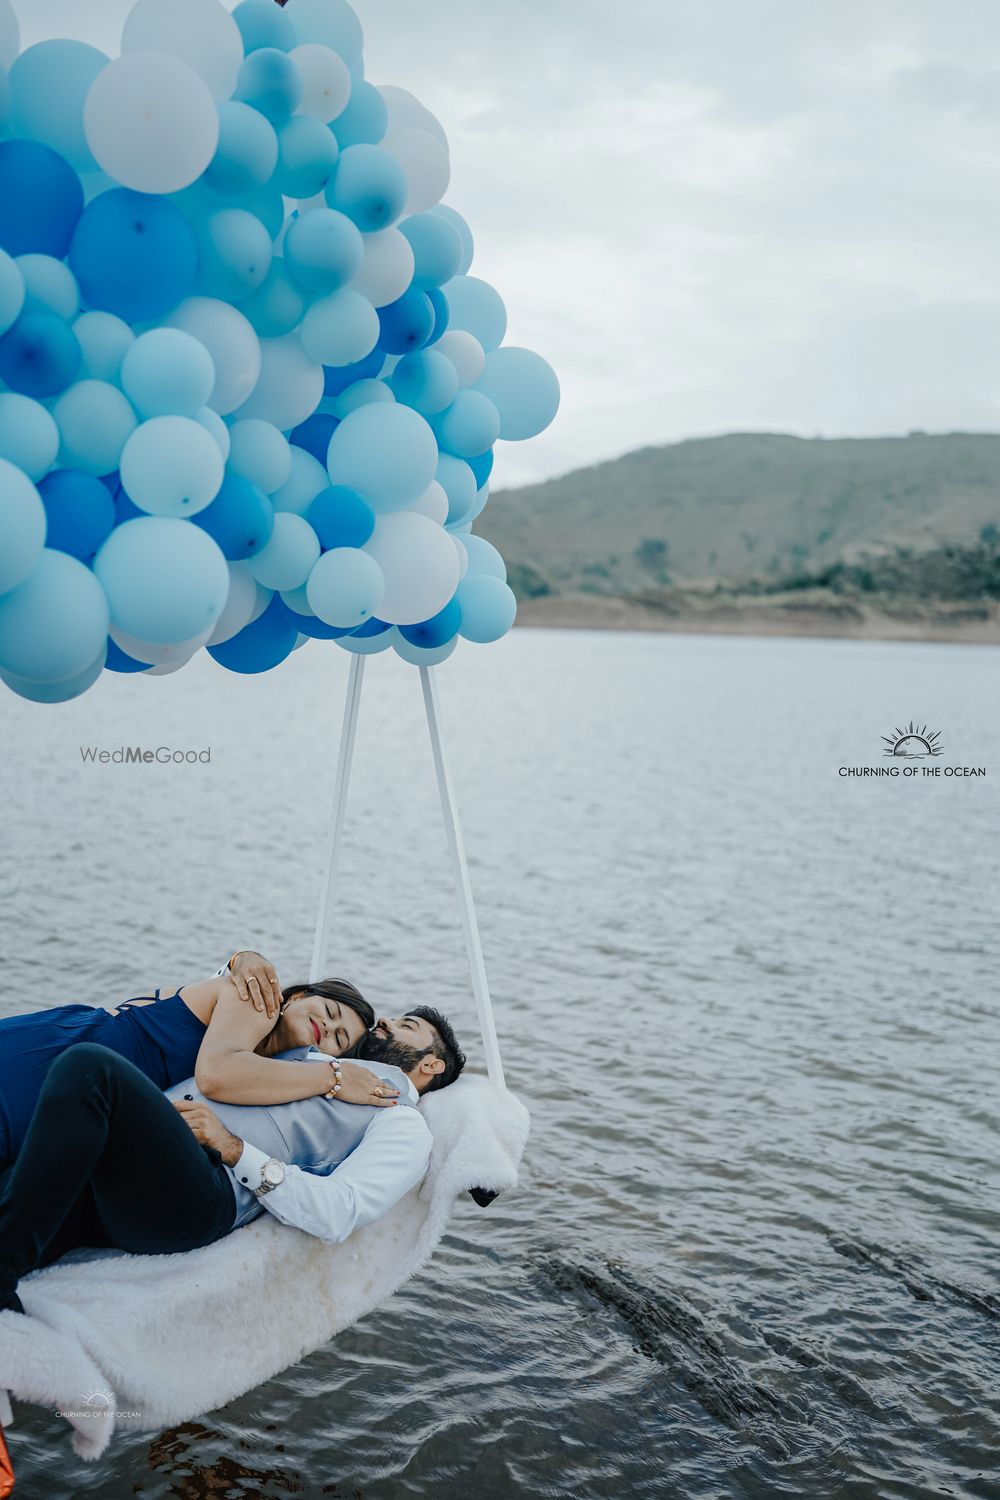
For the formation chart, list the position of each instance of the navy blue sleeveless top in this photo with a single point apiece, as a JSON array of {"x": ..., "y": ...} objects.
[{"x": 161, "y": 1039}]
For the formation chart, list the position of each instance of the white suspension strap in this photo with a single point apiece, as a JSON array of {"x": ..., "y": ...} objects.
[
  {"x": 460, "y": 869},
  {"x": 344, "y": 758}
]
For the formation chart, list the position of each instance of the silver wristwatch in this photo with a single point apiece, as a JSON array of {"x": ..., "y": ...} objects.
[{"x": 272, "y": 1175}]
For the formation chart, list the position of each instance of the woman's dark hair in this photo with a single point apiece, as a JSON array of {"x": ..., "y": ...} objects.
[
  {"x": 343, "y": 991},
  {"x": 445, "y": 1046}
]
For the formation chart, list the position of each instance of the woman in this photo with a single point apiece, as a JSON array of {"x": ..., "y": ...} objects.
[{"x": 163, "y": 1035}]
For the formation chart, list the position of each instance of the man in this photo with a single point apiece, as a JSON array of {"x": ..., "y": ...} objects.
[{"x": 108, "y": 1160}]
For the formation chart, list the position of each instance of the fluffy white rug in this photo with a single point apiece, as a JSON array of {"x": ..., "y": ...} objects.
[{"x": 144, "y": 1342}]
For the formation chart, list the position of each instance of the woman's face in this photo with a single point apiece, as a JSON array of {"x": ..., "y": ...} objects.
[{"x": 314, "y": 1021}]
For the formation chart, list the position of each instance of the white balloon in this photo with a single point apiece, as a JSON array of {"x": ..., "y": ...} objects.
[
  {"x": 230, "y": 340},
  {"x": 326, "y": 81},
  {"x": 176, "y": 654},
  {"x": 240, "y": 604},
  {"x": 434, "y": 503},
  {"x": 151, "y": 122},
  {"x": 405, "y": 109},
  {"x": 200, "y": 33},
  {"x": 420, "y": 565},
  {"x": 10, "y": 34},
  {"x": 290, "y": 386},
  {"x": 465, "y": 352},
  {"x": 426, "y": 163},
  {"x": 387, "y": 269}
]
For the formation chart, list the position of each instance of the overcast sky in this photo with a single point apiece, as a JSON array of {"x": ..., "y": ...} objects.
[{"x": 713, "y": 216}]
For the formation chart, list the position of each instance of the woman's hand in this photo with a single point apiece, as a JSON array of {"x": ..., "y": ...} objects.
[
  {"x": 256, "y": 980},
  {"x": 359, "y": 1085}
]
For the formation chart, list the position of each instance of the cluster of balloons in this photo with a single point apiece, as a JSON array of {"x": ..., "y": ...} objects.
[{"x": 249, "y": 392}]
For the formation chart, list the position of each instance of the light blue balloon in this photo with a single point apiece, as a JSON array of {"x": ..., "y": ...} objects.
[
  {"x": 264, "y": 24},
  {"x": 270, "y": 81},
  {"x": 55, "y": 622},
  {"x": 488, "y": 608},
  {"x": 57, "y": 692},
  {"x": 278, "y": 306},
  {"x": 166, "y": 580},
  {"x": 369, "y": 186},
  {"x": 470, "y": 425},
  {"x": 423, "y": 656},
  {"x": 171, "y": 466},
  {"x": 307, "y": 157},
  {"x": 307, "y": 478},
  {"x": 259, "y": 452},
  {"x": 289, "y": 557},
  {"x": 12, "y": 291},
  {"x": 425, "y": 380},
  {"x": 345, "y": 587},
  {"x": 323, "y": 249},
  {"x": 386, "y": 452},
  {"x": 459, "y": 484},
  {"x": 247, "y": 153},
  {"x": 524, "y": 389},
  {"x": 266, "y": 204},
  {"x": 340, "y": 329},
  {"x": 22, "y": 526},
  {"x": 29, "y": 436},
  {"x": 454, "y": 218},
  {"x": 49, "y": 84},
  {"x": 361, "y": 393},
  {"x": 49, "y": 286},
  {"x": 104, "y": 341},
  {"x": 438, "y": 251},
  {"x": 484, "y": 558},
  {"x": 167, "y": 373},
  {"x": 95, "y": 422},
  {"x": 370, "y": 645},
  {"x": 366, "y": 118},
  {"x": 235, "y": 254},
  {"x": 478, "y": 308}
]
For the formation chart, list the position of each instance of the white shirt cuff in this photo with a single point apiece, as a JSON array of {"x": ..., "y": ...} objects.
[{"x": 248, "y": 1168}]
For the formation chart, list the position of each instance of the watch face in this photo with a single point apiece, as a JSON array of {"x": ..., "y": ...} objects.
[{"x": 273, "y": 1172}]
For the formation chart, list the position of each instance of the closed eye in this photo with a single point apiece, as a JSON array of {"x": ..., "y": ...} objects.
[{"x": 340, "y": 1035}]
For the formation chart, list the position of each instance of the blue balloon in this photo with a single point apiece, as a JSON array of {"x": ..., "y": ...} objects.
[
  {"x": 323, "y": 249},
  {"x": 117, "y": 661},
  {"x": 40, "y": 355},
  {"x": 262, "y": 644},
  {"x": 264, "y": 24},
  {"x": 369, "y": 186},
  {"x": 488, "y": 607},
  {"x": 481, "y": 465},
  {"x": 436, "y": 631},
  {"x": 134, "y": 255},
  {"x": 55, "y": 622},
  {"x": 80, "y": 512},
  {"x": 41, "y": 199},
  {"x": 365, "y": 120},
  {"x": 371, "y": 627},
  {"x": 270, "y": 81},
  {"x": 12, "y": 291},
  {"x": 341, "y": 517},
  {"x": 406, "y": 324},
  {"x": 247, "y": 153},
  {"x": 337, "y": 378},
  {"x": 442, "y": 313},
  {"x": 437, "y": 249},
  {"x": 310, "y": 624},
  {"x": 426, "y": 381},
  {"x": 240, "y": 518},
  {"x": 307, "y": 157},
  {"x": 314, "y": 435},
  {"x": 124, "y": 508}
]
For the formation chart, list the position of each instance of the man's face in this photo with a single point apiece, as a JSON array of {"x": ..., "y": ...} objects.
[{"x": 401, "y": 1042}]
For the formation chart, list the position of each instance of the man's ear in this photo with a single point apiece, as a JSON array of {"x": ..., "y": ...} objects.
[{"x": 430, "y": 1064}]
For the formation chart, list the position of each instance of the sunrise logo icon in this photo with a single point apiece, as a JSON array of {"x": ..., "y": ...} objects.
[{"x": 912, "y": 743}]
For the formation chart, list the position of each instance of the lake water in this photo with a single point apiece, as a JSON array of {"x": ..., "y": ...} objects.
[{"x": 751, "y": 1003}]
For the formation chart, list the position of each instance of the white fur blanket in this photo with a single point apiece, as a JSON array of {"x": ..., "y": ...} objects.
[{"x": 144, "y": 1342}]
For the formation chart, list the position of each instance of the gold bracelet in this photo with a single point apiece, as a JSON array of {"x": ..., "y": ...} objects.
[{"x": 335, "y": 1065}]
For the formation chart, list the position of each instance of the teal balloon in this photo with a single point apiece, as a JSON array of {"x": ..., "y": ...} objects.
[
  {"x": 49, "y": 286},
  {"x": 259, "y": 452},
  {"x": 385, "y": 451},
  {"x": 488, "y": 608},
  {"x": 57, "y": 692},
  {"x": 266, "y": 204},
  {"x": 406, "y": 324},
  {"x": 323, "y": 249},
  {"x": 55, "y": 622},
  {"x": 345, "y": 587},
  {"x": 437, "y": 249},
  {"x": 469, "y": 426},
  {"x": 22, "y": 526},
  {"x": 369, "y": 186},
  {"x": 79, "y": 510},
  {"x": 459, "y": 483},
  {"x": 247, "y": 153},
  {"x": 12, "y": 291},
  {"x": 340, "y": 329},
  {"x": 270, "y": 81},
  {"x": 279, "y": 304},
  {"x": 426, "y": 381},
  {"x": 39, "y": 356},
  {"x": 235, "y": 254},
  {"x": 104, "y": 341},
  {"x": 478, "y": 308},
  {"x": 307, "y": 157},
  {"x": 166, "y": 580},
  {"x": 290, "y": 555},
  {"x": 41, "y": 200},
  {"x": 523, "y": 387},
  {"x": 167, "y": 372},
  {"x": 261, "y": 645},
  {"x": 264, "y": 24},
  {"x": 95, "y": 422},
  {"x": 29, "y": 436},
  {"x": 484, "y": 558},
  {"x": 422, "y": 656},
  {"x": 49, "y": 84},
  {"x": 341, "y": 517},
  {"x": 365, "y": 120},
  {"x": 240, "y": 518},
  {"x": 454, "y": 218}
]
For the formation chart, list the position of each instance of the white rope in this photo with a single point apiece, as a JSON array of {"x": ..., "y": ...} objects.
[
  {"x": 344, "y": 758},
  {"x": 460, "y": 870}
]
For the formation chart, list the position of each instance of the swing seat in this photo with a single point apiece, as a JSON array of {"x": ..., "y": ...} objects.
[{"x": 142, "y": 1342}]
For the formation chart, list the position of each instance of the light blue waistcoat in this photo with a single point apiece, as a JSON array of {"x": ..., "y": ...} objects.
[{"x": 316, "y": 1133}]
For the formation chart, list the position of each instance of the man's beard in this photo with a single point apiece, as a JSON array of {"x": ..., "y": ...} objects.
[{"x": 385, "y": 1049}]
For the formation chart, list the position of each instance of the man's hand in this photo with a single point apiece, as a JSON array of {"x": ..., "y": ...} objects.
[
  {"x": 256, "y": 980},
  {"x": 209, "y": 1129}
]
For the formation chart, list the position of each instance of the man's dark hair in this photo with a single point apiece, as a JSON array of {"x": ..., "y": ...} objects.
[
  {"x": 445, "y": 1046},
  {"x": 347, "y": 994}
]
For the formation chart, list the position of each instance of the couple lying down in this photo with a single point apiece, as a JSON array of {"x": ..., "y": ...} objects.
[{"x": 107, "y": 1138}]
